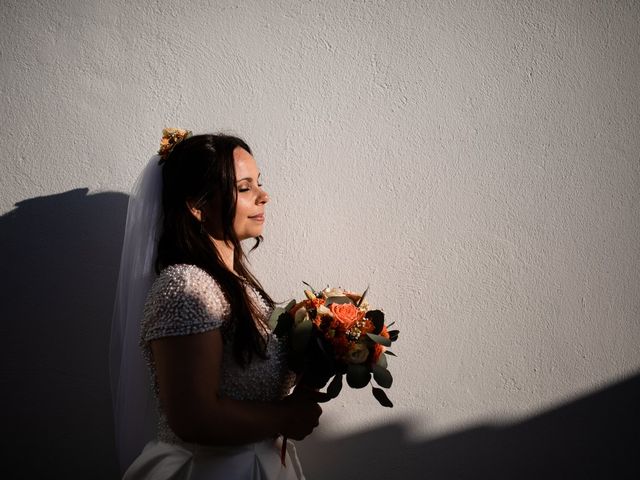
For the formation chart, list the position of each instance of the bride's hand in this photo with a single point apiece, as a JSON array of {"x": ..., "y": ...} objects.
[
  {"x": 304, "y": 392},
  {"x": 299, "y": 415}
]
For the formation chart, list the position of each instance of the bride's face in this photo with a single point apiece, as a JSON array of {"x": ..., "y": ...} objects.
[{"x": 250, "y": 197}]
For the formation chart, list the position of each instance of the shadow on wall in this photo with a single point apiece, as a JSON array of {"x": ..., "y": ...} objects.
[
  {"x": 60, "y": 257},
  {"x": 594, "y": 437}
]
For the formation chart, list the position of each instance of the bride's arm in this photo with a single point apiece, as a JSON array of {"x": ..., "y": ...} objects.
[{"x": 188, "y": 373}]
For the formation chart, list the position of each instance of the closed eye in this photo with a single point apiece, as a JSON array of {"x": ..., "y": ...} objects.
[
  {"x": 246, "y": 188},
  {"x": 250, "y": 180}
]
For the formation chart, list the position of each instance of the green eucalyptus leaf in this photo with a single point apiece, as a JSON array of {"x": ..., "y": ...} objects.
[
  {"x": 377, "y": 318},
  {"x": 335, "y": 386},
  {"x": 389, "y": 352},
  {"x": 382, "y": 361},
  {"x": 290, "y": 305},
  {"x": 284, "y": 324},
  {"x": 358, "y": 376},
  {"x": 275, "y": 315},
  {"x": 382, "y": 397},
  {"x": 393, "y": 335},
  {"x": 379, "y": 339},
  {"x": 301, "y": 335},
  {"x": 389, "y": 326},
  {"x": 342, "y": 368},
  {"x": 382, "y": 376}
]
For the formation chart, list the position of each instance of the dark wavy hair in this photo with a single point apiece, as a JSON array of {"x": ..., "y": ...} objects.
[{"x": 200, "y": 169}]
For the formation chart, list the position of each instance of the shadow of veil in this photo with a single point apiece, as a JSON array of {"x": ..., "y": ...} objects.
[
  {"x": 60, "y": 256},
  {"x": 594, "y": 437}
]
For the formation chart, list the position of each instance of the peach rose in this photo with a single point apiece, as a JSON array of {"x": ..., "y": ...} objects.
[{"x": 345, "y": 313}]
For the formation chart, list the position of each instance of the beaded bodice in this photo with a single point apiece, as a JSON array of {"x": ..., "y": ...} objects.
[{"x": 186, "y": 300}]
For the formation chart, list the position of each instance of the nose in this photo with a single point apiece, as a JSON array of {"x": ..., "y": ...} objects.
[{"x": 263, "y": 197}]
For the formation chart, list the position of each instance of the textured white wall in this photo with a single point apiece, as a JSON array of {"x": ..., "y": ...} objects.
[{"x": 476, "y": 163}]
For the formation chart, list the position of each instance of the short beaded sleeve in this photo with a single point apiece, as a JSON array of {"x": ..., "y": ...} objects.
[{"x": 183, "y": 300}]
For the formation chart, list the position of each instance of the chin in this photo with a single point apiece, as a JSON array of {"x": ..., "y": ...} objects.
[{"x": 250, "y": 235}]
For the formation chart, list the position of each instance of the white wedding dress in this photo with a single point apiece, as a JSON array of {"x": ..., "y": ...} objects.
[{"x": 186, "y": 300}]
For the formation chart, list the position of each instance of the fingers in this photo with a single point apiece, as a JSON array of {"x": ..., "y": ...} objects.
[
  {"x": 303, "y": 416},
  {"x": 313, "y": 396},
  {"x": 306, "y": 393},
  {"x": 321, "y": 397}
]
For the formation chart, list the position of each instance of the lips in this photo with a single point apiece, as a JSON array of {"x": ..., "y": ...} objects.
[{"x": 258, "y": 218}]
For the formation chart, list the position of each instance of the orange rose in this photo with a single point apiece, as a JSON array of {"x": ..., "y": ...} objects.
[
  {"x": 345, "y": 313},
  {"x": 368, "y": 327},
  {"x": 377, "y": 351},
  {"x": 317, "y": 302},
  {"x": 384, "y": 332}
]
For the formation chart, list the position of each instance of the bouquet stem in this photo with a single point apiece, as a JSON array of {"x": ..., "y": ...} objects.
[{"x": 283, "y": 451}]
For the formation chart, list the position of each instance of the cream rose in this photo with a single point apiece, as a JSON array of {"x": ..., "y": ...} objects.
[
  {"x": 333, "y": 292},
  {"x": 322, "y": 310},
  {"x": 358, "y": 353}
]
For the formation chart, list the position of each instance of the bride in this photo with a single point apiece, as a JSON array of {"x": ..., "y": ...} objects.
[{"x": 217, "y": 374}]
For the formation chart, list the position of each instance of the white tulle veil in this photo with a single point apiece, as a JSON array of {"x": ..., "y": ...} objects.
[{"x": 133, "y": 401}]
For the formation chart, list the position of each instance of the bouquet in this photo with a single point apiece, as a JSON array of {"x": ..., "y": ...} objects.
[{"x": 333, "y": 334}]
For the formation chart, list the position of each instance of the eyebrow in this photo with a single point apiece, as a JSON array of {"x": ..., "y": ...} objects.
[{"x": 248, "y": 179}]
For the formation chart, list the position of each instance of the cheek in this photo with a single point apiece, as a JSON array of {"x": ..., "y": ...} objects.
[
  {"x": 240, "y": 207},
  {"x": 242, "y": 211}
]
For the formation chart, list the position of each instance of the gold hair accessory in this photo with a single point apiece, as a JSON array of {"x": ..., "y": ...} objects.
[{"x": 170, "y": 138}]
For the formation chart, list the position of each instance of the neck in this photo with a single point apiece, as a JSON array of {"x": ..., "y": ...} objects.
[{"x": 225, "y": 252}]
